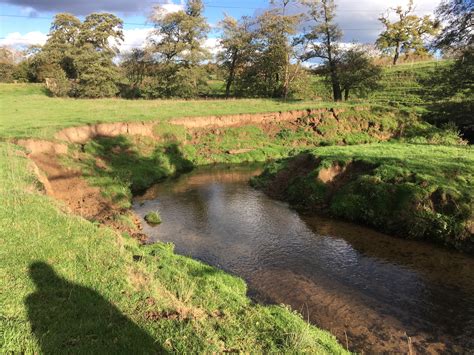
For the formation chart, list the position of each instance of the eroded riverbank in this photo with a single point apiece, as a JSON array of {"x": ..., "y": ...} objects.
[{"x": 380, "y": 292}]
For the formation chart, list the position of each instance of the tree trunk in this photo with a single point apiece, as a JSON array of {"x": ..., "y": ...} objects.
[
  {"x": 346, "y": 94},
  {"x": 336, "y": 86},
  {"x": 397, "y": 54},
  {"x": 286, "y": 84},
  {"x": 231, "y": 77}
]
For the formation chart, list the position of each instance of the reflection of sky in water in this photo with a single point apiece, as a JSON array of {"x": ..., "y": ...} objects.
[{"x": 235, "y": 227}]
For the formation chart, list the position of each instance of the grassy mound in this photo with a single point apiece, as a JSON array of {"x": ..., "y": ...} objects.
[
  {"x": 74, "y": 286},
  {"x": 414, "y": 191}
]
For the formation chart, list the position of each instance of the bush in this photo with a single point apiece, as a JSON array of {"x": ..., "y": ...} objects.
[
  {"x": 7, "y": 72},
  {"x": 55, "y": 80}
]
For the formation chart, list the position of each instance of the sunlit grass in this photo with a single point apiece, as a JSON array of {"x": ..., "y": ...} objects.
[
  {"x": 26, "y": 111},
  {"x": 97, "y": 277}
]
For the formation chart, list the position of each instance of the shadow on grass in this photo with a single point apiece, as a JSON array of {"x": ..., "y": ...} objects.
[
  {"x": 127, "y": 165},
  {"x": 69, "y": 318}
]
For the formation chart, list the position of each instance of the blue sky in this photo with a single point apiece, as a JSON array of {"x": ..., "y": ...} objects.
[{"x": 33, "y": 17}]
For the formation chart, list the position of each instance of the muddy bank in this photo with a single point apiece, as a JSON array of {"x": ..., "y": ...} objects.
[
  {"x": 243, "y": 119},
  {"x": 371, "y": 193},
  {"x": 68, "y": 186},
  {"x": 320, "y": 122},
  {"x": 83, "y": 134}
]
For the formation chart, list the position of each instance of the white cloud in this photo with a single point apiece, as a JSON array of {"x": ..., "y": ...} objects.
[
  {"x": 134, "y": 38},
  {"x": 16, "y": 39},
  {"x": 212, "y": 45},
  {"x": 171, "y": 7},
  {"x": 359, "y": 20}
]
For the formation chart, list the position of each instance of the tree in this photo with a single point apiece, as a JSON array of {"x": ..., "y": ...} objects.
[
  {"x": 286, "y": 28},
  {"x": 450, "y": 90},
  {"x": 178, "y": 46},
  {"x": 237, "y": 43},
  {"x": 80, "y": 55},
  {"x": 97, "y": 75},
  {"x": 62, "y": 40},
  {"x": 458, "y": 29},
  {"x": 7, "y": 65},
  {"x": 407, "y": 34},
  {"x": 357, "y": 73},
  {"x": 322, "y": 39},
  {"x": 136, "y": 65}
]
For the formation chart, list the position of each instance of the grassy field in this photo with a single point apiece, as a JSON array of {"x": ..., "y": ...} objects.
[
  {"x": 26, "y": 111},
  {"x": 69, "y": 285},
  {"x": 418, "y": 191},
  {"x": 76, "y": 286}
]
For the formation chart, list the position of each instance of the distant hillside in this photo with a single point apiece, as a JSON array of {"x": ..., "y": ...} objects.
[{"x": 400, "y": 85}]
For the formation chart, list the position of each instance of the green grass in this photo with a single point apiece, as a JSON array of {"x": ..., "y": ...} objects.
[
  {"x": 126, "y": 298},
  {"x": 69, "y": 285},
  {"x": 418, "y": 191},
  {"x": 26, "y": 111},
  {"x": 400, "y": 85}
]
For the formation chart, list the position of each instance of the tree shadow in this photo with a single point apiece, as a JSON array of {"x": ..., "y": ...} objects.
[
  {"x": 69, "y": 318},
  {"x": 126, "y": 164}
]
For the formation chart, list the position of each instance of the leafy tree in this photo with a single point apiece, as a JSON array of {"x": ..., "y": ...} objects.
[
  {"x": 407, "y": 34},
  {"x": 93, "y": 57},
  {"x": 238, "y": 48},
  {"x": 357, "y": 73},
  {"x": 450, "y": 89},
  {"x": 135, "y": 65},
  {"x": 80, "y": 54},
  {"x": 285, "y": 26},
  {"x": 61, "y": 43},
  {"x": 177, "y": 45},
  {"x": 322, "y": 39},
  {"x": 55, "y": 79},
  {"x": 458, "y": 31},
  {"x": 7, "y": 65}
]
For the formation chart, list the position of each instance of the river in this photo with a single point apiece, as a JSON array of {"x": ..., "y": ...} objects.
[{"x": 376, "y": 293}]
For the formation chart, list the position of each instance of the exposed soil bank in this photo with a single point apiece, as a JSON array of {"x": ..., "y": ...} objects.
[
  {"x": 83, "y": 134},
  {"x": 319, "y": 121},
  {"x": 246, "y": 119},
  {"x": 68, "y": 186},
  {"x": 374, "y": 193}
]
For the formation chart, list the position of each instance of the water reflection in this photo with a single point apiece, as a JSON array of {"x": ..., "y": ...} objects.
[{"x": 378, "y": 291}]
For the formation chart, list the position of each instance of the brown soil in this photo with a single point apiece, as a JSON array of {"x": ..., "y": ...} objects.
[
  {"x": 243, "y": 119},
  {"x": 85, "y": 133},
  {"x": 328, "y": 175},
  {"x": 68, "y": 186}
]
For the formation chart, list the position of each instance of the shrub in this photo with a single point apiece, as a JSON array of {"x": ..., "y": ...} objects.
[{"x": 55, "y": 80}]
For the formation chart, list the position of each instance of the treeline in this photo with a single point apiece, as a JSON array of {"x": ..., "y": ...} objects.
[{"x": 263, "y": 56}]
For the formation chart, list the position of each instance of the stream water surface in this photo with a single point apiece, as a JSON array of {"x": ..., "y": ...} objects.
[{"x": 376, "y": 293}]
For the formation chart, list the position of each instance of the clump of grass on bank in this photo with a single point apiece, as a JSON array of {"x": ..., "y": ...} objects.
[
  {"x": 412, "y": 190},
  {"x": 76, "y": 287}
]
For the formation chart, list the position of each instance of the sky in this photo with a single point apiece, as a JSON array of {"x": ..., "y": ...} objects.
[{"x": 27, "y": 22}]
